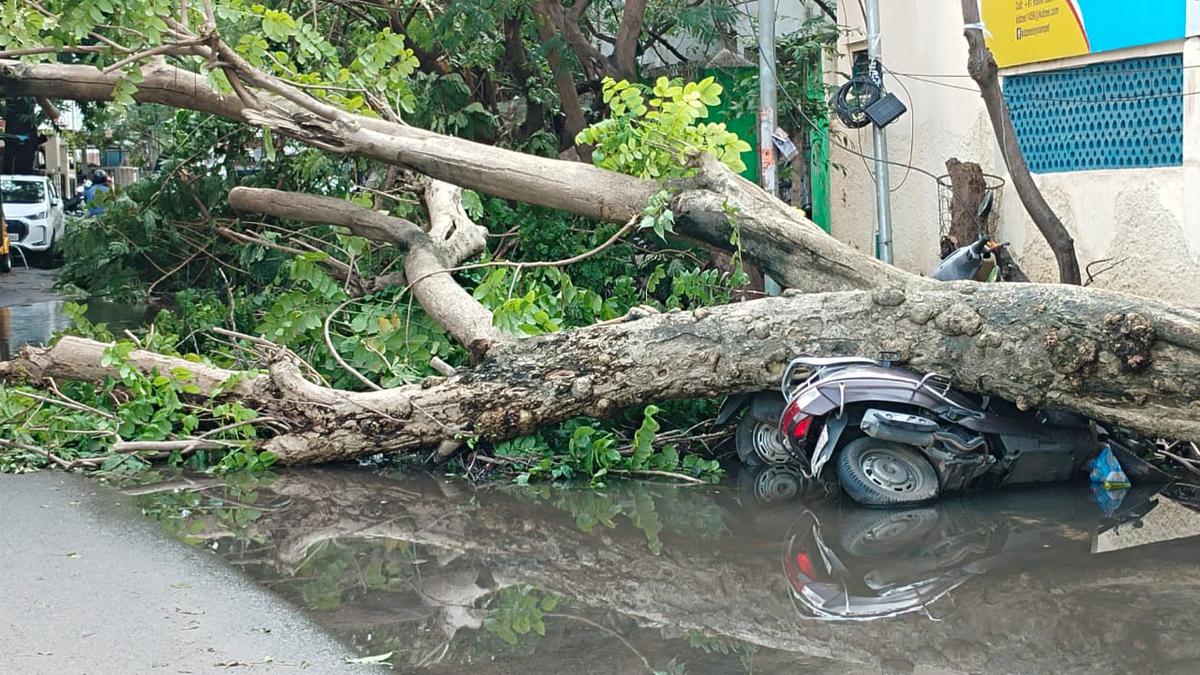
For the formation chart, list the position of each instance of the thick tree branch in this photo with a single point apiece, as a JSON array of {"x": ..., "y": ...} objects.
[
  {"x": 590, "y": 59},
  {"x": 163, "y": 84},
  {"x": 73, "y": 358},
  {"x": 454, "y": 235},
  {"x": 564, "y": 81},
  {"x": 363, "y": 222},
  {"x": 547, "y": 182},
  {"x": 708, "y": 208},
  {"x": 625, "y": 47},
  {"x": 452, "y": 238}
]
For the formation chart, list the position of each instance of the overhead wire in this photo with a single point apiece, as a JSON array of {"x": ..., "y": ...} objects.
[
  {"x": 909, "y": 166},
  {"x": 808, "y": 120},
  {"x": 912, "y": 135},
  {"x": 932, "y": 79},
  {"x": 1068, "y": 69},
  {"x": 912, "y": 130},
  {"x": 1017, "y": 98}
]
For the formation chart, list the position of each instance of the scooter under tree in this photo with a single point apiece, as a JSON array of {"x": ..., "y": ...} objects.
[{"x": 898, "y": 437}]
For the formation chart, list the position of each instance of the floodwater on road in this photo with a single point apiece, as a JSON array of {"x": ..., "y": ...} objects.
[
  {"x": 31, "y": 312},
  {"x": 756, "y": 575}
]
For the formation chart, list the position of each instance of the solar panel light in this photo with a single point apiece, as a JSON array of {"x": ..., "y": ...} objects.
[{"x": 885, "y": 111}]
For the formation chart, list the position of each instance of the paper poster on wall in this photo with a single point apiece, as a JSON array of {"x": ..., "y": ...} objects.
[{"x": 1030, "y": 31}]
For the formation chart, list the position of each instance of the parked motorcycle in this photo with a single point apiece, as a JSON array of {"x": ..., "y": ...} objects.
[
  {"x": 898, "y": 437},
  {"x": 762, "y": 438}
]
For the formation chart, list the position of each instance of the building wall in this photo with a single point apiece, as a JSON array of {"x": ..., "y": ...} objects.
[{"x": 1149, "y": 217}]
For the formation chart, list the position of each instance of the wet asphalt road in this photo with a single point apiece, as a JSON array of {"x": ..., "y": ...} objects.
[
  {"x": 89, "y": 586},
  {"x": 27, "y": 286}
]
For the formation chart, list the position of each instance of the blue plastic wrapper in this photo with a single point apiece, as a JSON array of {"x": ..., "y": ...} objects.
[
  {"x": 1108, "y": 500},
  {"x": 1107, "y": 471}
]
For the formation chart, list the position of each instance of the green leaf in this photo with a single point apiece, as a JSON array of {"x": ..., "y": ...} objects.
[
  {"x": 268, "y": 144},
  {"x": 643, "y": 439}
]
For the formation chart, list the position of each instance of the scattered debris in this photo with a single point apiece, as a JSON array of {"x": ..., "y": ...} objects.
[
  {"x": 378, "y": 658},
  {"x": 1106, "y": 471}
]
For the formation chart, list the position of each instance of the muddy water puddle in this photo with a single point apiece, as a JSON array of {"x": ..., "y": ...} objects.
[
  {"x": 35, "y": 323},
  {"x": 750, "y": 576}
]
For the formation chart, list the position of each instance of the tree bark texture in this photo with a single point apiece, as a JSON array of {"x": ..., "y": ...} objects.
[
  {"x": 967, "y": 190},
  {"x": 625, "y": 49},
  {"x": 1098, "y": 353},
  {"x": 984, "y": 70}
]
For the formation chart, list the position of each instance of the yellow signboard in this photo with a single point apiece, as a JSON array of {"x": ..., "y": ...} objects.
[{"x": 1030, "y": 31}]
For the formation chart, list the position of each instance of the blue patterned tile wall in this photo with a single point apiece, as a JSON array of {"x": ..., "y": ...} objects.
[{"x": 1115, "y": 115}]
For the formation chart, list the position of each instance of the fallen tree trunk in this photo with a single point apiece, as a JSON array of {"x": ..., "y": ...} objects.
[
  {"x": 1101, "y": 354},
  {"x": 1110, "y": 356}
]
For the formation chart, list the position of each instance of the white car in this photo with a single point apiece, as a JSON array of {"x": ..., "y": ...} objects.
[{"x": 33, "y": 210}]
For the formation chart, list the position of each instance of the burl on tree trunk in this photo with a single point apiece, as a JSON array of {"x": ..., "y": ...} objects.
[{"x": 1114, "y": 357}]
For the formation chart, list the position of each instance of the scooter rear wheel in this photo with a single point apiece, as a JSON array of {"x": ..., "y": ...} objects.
[
  {"x": 773, "y": 484},
  {"x": 883, "y": 473},
  {"x": 759, "y": 442}
]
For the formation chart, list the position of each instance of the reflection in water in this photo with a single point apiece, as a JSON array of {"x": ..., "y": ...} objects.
[
  {"x": 650, "y": 577},
  {"x": 36, "y": 323},
  {"x": 863, "y": 564}
]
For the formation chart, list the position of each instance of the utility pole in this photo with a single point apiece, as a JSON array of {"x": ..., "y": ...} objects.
[
  {"x": 883, "y": 195},
  {"x": 767, "y": 176}
]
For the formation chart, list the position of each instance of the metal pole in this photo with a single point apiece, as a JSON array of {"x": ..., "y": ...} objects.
[
  {"x": 767, "y": 175},
  {"x": 883, "y": 195},
  {"x": 766, "y": 96}
]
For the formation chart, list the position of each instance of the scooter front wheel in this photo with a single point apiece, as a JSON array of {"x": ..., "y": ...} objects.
[{"x": 883, "y": 473}]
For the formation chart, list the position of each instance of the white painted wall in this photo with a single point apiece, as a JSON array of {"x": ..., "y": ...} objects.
[{"x": 1150, "y": 216}]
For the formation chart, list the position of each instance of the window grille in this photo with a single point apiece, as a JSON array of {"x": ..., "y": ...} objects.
[{"x": 1114, "y": 115}]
